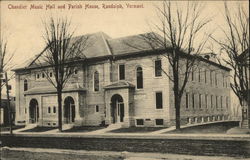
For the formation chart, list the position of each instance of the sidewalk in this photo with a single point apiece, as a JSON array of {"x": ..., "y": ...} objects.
[{"x": 43, "y": 153}]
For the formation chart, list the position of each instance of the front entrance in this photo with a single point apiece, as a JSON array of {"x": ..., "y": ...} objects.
[
  {"x": 69, "y": 110},
  {"x": 117, "y": 108},
  {"x": 33, "y": 111}
]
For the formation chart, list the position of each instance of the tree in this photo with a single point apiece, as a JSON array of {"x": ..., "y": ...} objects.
[
  {"x": 179, "y": 33},
  {"x": 235, "y": 47},
  {"x": 60, "y": 56}
]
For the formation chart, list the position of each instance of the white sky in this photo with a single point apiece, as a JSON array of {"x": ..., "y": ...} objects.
[{"x": 24, "y": 28}]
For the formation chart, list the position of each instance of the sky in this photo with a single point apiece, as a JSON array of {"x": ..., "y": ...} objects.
[{"x": 23, "y": 27}]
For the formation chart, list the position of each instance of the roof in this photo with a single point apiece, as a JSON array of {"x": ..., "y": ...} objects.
[
  {"x": 101, "y": 45},
  {"x": 46, "y": 90},
  {"x": 120, "y": 84}
]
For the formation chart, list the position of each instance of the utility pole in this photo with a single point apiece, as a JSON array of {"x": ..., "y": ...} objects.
[{"x": 8, "y": 101}]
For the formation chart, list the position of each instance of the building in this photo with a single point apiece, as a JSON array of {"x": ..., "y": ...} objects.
[
  {"x": 4, "y": 110},
  {"x": 119, "y": 83}
]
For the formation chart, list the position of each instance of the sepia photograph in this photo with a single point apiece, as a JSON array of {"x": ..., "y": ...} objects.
[{"x": 124, "y": 80}]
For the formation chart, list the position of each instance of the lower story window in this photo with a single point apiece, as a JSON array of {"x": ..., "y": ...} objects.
[
  {"x": 159, "y": 121},
  {"x": 139, "y": 122}
]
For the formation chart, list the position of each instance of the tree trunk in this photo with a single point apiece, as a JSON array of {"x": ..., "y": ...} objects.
[
  {"x": 59, "y": 100},
  {"x": 177, "y": 113}
]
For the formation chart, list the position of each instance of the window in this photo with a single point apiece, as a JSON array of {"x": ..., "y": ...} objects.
[
  {"x": 75, "y": 71},
  {"x": 49, "y": 110},
  {"x": 96, "y": 81},
  {"x": 96, "y": 108},
  {"x": 193, "y": 96},
  {"x": 199, "y": 75},
  {"x": 43, "y": 75},
  {"x": 54, "y": 109},
  {"x": 37, "y": 76},
  {"x": 158, "y": 68},
  {"x": 200, "y": 100},
  {"x": 223, "y": 80},
  {"x": 187, "y": 100},
  {"x": 211, "y": 77},
  {"x": 25, "y": 85},
  {"x": 139, "y": 78},
  {"x": 158, "y": 97},
  {"x": 216, "y": 101},
  {"x": 121, "y": 72},
  {"x": 159, "y": 121},
  {"x": 212, "y": 103},
  {"x": 206, "y": 101},
  {"x": 227, "y": 102},
  {"x": 192, "y": 75},
  {"x": 50, "y": 74},
  {"x": 139, "y": 122},
  {"x": 205, "y": 76},
  {"x": 215, "y": 79},
  {"x": 221, "y": 102}
]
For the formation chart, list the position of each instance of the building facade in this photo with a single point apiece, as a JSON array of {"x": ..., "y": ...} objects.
[{"x": 117, "y": 83}]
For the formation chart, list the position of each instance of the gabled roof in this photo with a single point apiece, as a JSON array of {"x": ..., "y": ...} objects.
[{"x": 120, "y": 84}]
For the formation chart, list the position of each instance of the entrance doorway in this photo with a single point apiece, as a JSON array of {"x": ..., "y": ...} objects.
[
  {"x": 117, "y": 108},
  {"x": 69, "y": 110},
  {"x": 33, "y": 111}
]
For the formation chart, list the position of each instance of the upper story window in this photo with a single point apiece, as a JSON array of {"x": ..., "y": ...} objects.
[
  {"x": 199, "y": 76},
  {"x": 43, "y": 75},
  {"x": 206, "y": 102},
  {"x": 158, "y": 97},
  {"x": 96, "y": 81},
  {"x": 205, "y": 76},
  {"x": 37, "y": 76},
  {"x": 215, "y": 80},
  {"x": 49, "y": 109},
  {"x": 121, "y": 72},
  {"x": 50, "y": 74},
  {"x": 200, "y": 100},
  {"x": 75, "y": 71},
  {"x": 158, "y": 71},
  {"x": 192, "y": 74},
  {"x": 25, "y": 85},
  {"x": 96, "y": 108},
  {"x": 139, "y": 78},
  {"x": 187, "y": 100},
  {"x": 211, "y": 77},
  {"x": 212, "y": 103},
  {"x": 54, "y": 109},
  {"x": 193, "y": 100}
]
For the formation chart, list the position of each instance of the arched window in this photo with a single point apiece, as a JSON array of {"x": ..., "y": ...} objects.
[
  {"x": 49, "y": 109},
  {"x": 139, "y": 78},
  {"x": 25, "y": 85},
  {"x": 96, "y": 81}
]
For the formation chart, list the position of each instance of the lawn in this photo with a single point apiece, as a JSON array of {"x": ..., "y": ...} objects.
[
  {"x": 215, "y": 128},
  {"x": 7, "y": 128},
  {"x": 137, "y": 130},
  {"x": 39, "y": 129},
  {"x": 84, "y": 128}
]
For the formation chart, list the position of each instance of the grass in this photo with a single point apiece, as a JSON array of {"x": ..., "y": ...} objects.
[
  {"x": 7, "y": 128},
  {"x": 137, "y": 129},
  {"x": 215, "y": 128},
  {"x": 39, "y": 129},
  {"x": 84, "y": 128}
]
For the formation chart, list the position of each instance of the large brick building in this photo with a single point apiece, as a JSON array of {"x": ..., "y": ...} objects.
[{"x": 119, "y": 83}]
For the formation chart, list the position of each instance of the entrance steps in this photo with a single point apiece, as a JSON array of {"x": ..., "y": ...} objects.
[
  {"x": 67, "y": 126},
  {"x": 244, "y": 124},
  {"x": 28, "y": 126}
]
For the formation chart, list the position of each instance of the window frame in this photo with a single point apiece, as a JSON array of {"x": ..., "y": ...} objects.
[
  {"x": 119, "y": 72},
  {"x": 156, "y": 106},
  {"x": 142, "y": 80},
  {"x": 94, "y": 81},
  {"x": 155, "y": 68},
  {"x": 25, "y": 85}
]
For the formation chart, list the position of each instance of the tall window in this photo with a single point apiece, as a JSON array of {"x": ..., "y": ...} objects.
[
  {"x": 139, "y": 78},
  {"x": 96, "y": 81},
  {"x": 212, "y": 103},
  {"x": 206, "y": 101},
  {"x": 49, "y": 109},
  {"x": 25, "y": 85},
  {"x": 158, "y": 97},
  {"x": 187, "y": 100},
  {"x": 216, "y": 101},
  {"x": 199, "y": 75},
  {"x": 215, "y": 79},
  {"x": 221, "y": 102},
  {"x": 158, "y": 68},
  {"x": 193, "y": 100},
  {"x": 121, "y": 72},
  {"x": 211, "y": 77},
  {"x": 96, "y": 108},
  {"x": 205, "y": 76},
  {"x": 54, "y": 109},
  {"x": 227, "y": 102},
  {"x": 192, "y": 74},
  {"x": 200, "y": 100}
]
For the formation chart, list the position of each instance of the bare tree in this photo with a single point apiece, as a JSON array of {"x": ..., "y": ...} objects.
[
  {"x": 60, "y": 56},
  {"x": 179, "y": 33},
  {"x": 6, "y": 58},
  {"x": 235, "y": 46}
]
